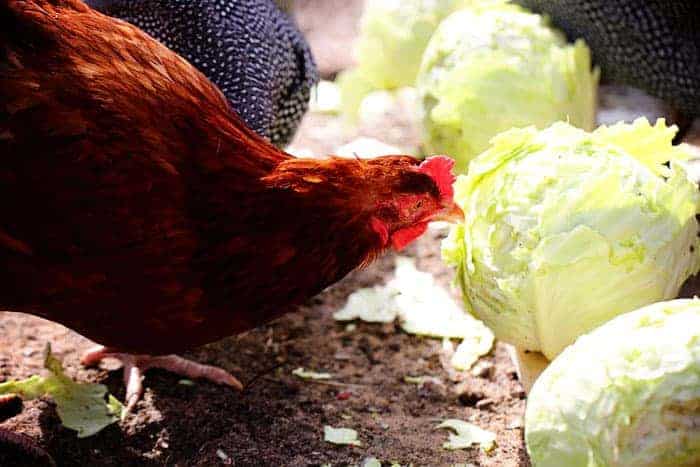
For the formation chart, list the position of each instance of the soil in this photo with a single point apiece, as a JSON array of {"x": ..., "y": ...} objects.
[{"x": 278, "y": 419}]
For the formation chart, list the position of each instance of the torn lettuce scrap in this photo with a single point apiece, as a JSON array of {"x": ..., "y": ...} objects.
[
  {"x": 467, "y": 434},
  {"x": 423, "y": 307},
  {"x": 305, "y": 374},
  {"x": 81, "y": 406},
  {"x": 343, "y": 436}
]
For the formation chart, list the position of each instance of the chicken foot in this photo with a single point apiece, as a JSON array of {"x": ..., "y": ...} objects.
[{"x": 136, "y": 365}]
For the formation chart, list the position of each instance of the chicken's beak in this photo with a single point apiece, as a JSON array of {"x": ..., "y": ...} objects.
[{"x": 452, "y": 214}]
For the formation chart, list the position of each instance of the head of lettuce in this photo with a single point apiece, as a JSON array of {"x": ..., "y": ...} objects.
[
  {"x": 565, "y": 229},
  {"x": 494, "y": 66},
  {"x": 393, "y": 36},
  {"x": 627, "y": 394}
]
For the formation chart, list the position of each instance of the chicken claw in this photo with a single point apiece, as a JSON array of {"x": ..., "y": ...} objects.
[{"x": 136, "y": 365}]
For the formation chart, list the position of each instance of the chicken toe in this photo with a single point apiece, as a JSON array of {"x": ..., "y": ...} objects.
[{"x": 136, "y": 365}]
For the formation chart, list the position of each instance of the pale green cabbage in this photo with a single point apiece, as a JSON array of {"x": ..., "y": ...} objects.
[
  {"x": 496, "y": 66},
  {"x": 393, "y": 36},
  {"x": 566, "y": 229},
  {"x": 627, "y": 394}
]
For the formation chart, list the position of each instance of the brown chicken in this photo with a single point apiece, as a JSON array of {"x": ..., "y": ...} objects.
[{"x": 138, "y": 210}]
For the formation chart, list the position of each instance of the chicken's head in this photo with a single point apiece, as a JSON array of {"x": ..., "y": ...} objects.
[{"x": 419, "y": 194}]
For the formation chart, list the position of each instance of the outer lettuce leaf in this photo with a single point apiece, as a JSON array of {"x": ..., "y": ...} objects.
[
  {"x": 566, "y": 229},
  {"x": 650, "y": 145},
  {"x": 627, "y": 394}
]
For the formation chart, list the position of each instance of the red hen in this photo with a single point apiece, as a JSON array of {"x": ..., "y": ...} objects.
[{"x": 138, "y": 210}]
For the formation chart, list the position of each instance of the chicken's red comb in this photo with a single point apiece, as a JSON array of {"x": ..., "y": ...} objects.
[{"x": 440, "y": 169}]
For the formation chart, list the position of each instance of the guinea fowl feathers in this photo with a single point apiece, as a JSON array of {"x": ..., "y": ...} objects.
[
  {"x": 249, "y": 48},
  {"x": 650, "y": 44}
]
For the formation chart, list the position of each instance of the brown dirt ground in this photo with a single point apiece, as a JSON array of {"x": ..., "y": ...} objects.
[{"x": 278, "y": 420}]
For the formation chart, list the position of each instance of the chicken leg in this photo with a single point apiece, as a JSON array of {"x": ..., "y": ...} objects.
[{"x": 136, "y": 365}]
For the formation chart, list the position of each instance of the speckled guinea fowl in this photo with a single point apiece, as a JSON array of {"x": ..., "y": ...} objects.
[
  {"x": 249, "y": 48},
  {"x": 650, "y": 44}
]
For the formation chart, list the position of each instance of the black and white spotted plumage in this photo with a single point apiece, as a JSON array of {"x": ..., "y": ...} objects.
[
  {"x": 650, "y": 44},
  {"x": 249, "y": 48}
]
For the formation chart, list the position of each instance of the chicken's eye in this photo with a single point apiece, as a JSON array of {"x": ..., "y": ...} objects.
[{"x": 419, "y": 204}]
